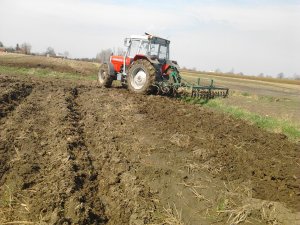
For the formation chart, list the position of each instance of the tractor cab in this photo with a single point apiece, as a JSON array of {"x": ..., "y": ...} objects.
[
  {"x": 147, "y": 45},
  {"x": 141, "y": 47}
]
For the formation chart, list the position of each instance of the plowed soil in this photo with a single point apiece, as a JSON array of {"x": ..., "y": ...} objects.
[{"x": 74, "y": 153}]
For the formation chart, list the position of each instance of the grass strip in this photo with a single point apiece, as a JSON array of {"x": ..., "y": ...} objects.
[{"x": 265, "y": 122}]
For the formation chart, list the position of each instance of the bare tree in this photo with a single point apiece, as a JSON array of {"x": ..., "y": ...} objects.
[
  {"x": 66, "y": 54},
  {"x": 18, "y": 47},
  {"x": 218, "y": 71},
  {"x": 120, "y": 51},
  {"x": 26, "y": 48},
  {"x": 231, "y": 71},
  {"x": 1, "y": 45},
  {"x": 50, "y": 51},
  {"x": 104, "y": 55},
  {"x": 280, "y": 75},
  {"x": 261, "y": 75}
]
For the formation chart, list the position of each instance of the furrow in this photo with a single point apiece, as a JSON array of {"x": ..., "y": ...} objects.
[
  {"x": 13, "y": 97},
  {"x": 83, "y": 206}
]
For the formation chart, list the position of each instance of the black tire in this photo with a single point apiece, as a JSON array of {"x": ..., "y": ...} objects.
[
  {"x": 124, "y": 85},
  {"x": 141, "y": 68},
  {"x": 104, "y": 78}
]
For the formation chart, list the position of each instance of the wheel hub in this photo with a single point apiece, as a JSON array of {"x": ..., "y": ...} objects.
[
  {"x": 101, "y": 76},
  {"x": 139, "y": 79}
]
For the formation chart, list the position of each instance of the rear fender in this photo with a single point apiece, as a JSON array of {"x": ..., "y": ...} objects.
[
  {"x": 173, "y": 63},
  {"x": 153, "y": 61}
]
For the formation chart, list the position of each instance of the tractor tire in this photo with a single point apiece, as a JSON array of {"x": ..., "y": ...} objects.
[
  {"x": 104, "y": 78},
  {"x": 141, "y": 77}
]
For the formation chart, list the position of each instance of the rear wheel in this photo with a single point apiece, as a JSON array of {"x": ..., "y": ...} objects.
[
  {"x": 104, "y": 78},
  {"x": 141, "y": 77}
]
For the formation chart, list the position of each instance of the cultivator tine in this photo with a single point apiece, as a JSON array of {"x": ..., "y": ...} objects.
[
  {"x": 196, "y": 93},
  {"x": 221, "y": 93},
  {"x": 209, "y": 93}
]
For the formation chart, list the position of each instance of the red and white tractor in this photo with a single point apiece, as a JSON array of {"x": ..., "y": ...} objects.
[{"x": 146, "y": 68}]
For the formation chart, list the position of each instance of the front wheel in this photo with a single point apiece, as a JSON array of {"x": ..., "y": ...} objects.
[
  {"x": 104, "y": 78},
  {"x": 141, "y": 77}
]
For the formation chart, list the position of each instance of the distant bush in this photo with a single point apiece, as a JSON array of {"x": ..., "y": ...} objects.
[
  {"x": 87, "y": 59},
  {"x": 50, "y": 51},
  {"x": 10, "y": 49},
  {"x": 280, "y": 76}
]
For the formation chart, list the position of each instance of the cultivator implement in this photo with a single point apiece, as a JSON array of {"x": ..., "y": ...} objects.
[
  {"x": 178, "y": 86},
  {"x": 208, "y": 91}
]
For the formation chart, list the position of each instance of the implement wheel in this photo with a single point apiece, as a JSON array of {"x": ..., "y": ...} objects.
[
  {"x": 141, "y": 77},
  {"x": 104, "y": 78}
]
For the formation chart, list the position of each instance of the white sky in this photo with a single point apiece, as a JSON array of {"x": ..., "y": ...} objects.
[{"x": 249, "y": 36}]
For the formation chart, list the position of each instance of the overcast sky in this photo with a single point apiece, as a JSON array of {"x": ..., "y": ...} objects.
[{"x": 249, "y": 36}]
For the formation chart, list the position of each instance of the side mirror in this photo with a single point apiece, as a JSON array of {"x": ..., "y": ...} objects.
[{"x": 126, "y": 42}]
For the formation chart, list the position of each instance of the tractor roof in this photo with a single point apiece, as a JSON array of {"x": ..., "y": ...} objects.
[
  {"x": 148, "y": 37},
  {"x": 139, "y": 37}
]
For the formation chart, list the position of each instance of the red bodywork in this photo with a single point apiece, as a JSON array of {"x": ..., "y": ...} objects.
[
  {"x": 118, "y": 62},
  {"x": 164, "y": 68}
]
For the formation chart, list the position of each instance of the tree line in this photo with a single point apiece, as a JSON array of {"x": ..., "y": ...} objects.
[
  {"x": 104, "y": 54},
  {"x": 25, "y": 48}
]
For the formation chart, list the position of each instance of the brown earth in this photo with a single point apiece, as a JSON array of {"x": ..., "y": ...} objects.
[{"x": 73, "y": 153}]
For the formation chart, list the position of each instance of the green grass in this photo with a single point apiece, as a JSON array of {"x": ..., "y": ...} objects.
[
  {"x": 267, "y": 123},
  {"x": 245, "y": 94},
  {"x": 40, "y": 72}
]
